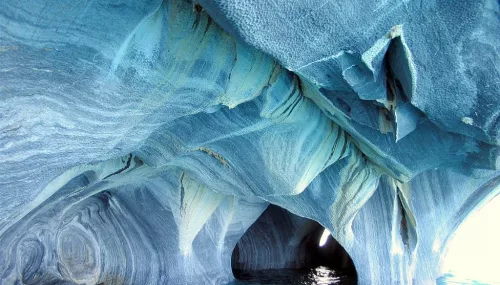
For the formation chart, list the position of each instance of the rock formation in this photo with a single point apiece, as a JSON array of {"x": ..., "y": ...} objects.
[{"x": 139, "y": 140}]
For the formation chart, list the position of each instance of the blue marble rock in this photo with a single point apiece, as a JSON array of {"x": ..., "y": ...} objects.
[{"x": 139, "y": 140}]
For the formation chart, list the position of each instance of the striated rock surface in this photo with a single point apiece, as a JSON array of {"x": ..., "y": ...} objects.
[
  {"x": 139, "y": 140},
  {"x": 443, "y": 53}
]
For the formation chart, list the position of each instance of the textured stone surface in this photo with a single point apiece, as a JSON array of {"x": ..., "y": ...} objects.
[
  {"x": 332, "y": 43},
  {"x": 139, "y": 140}
]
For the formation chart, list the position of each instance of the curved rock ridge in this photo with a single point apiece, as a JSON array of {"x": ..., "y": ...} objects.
[
  {"x": 127, "y": 230},
  {"x": 139, "y": 140}
]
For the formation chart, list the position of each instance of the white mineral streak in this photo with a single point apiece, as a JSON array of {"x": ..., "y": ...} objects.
[{"x": 196, "y": 206}]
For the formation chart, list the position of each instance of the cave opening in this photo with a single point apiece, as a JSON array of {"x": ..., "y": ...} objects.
[
  {"x": 471, "y": 255},
  {"x": 283, "y": 248}
]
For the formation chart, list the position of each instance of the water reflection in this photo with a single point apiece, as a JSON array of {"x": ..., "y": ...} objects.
[
  {"x": 450, "y": 279},
  {"x": 317, "y": 276}
]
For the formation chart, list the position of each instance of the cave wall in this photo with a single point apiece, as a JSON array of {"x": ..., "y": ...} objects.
[
  {"x": 139, "y": 140},
  {"x": 161, "y": 232}
]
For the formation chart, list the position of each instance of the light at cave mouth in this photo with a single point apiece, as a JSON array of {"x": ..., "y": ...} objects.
[
  {"x": 282, "y": 248},
  {"x": 324, "y": 237},
  {"x": 472, "y": 255}
]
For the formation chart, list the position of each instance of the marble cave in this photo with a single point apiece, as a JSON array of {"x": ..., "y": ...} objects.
[{"x": 199, "y": 142}]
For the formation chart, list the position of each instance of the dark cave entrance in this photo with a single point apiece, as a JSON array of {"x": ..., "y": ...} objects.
[{"x": 283, "y": 248}]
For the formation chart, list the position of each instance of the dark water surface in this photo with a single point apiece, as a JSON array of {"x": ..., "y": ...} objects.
[{"x": 317, "y": 276}]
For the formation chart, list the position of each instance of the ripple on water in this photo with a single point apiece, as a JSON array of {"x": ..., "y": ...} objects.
[{"x": 316, "y": 276}]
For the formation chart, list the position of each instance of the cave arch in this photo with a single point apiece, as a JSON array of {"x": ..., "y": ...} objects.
[
  {"x": 281, "y": 243},
  {"x": 472, "y": 250}
]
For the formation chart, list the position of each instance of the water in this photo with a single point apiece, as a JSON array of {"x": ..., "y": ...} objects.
[
  {"x": 317, "y": 276},
  {"x": 450, "y": 279},
  {"x": 325, "y": 276}
]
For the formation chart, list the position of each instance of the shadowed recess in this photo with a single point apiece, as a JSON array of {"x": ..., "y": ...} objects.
[{"x": 280, "y": 241}]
